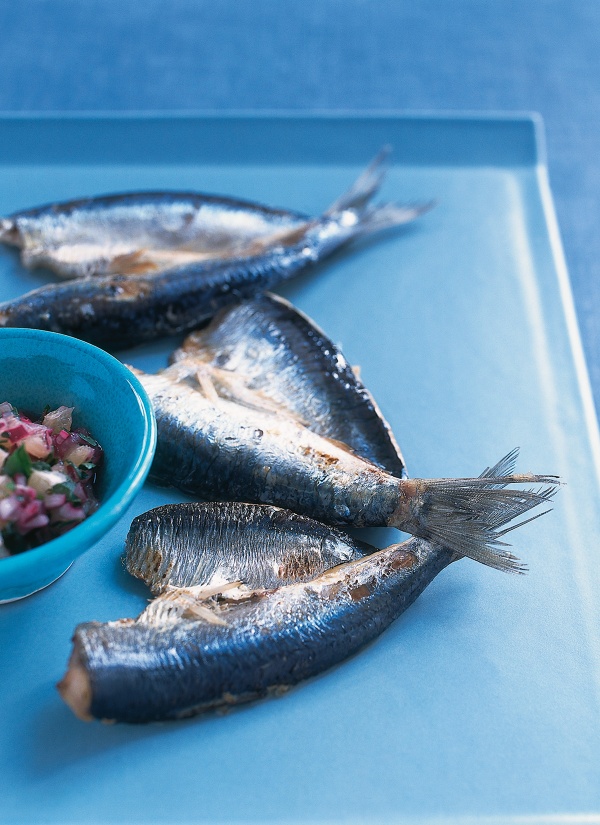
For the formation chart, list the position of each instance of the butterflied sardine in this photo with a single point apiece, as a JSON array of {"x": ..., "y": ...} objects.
[
  {"x": 203, "y": 545},
  {"x": 118, "y": 311},
  {"x": 142, "y": 232},
  {"x": 243, "y": 450},
  {"x": 267, "y": 352},
  {"x": 196, "y": 647}
]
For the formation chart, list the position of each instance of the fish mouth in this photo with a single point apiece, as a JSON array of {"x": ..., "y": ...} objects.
[
  {"x": 9, "y": 232},
  {"x": 75, "y": 687}
]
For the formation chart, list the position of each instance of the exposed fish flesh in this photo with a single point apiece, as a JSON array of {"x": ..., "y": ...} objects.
[
  {"x": 245, "y": 450},
  {"x": 118, "y": 311},
  {"x": 203, "y": 545},
  {"x": 196, "y": 647},
  {"x": 265, "y": 352},
  {"x": 143, "y": 232}
]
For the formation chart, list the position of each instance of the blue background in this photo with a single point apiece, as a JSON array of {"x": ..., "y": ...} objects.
[{"x": 541, "y": 55}]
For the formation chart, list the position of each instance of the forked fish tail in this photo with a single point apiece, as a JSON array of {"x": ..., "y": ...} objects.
[
  {"x": 328, "y": 234},
  {"x": 471, "y": 515},
  {"x": 365, "y": 186},
  {"x": 353, "y": 216}
]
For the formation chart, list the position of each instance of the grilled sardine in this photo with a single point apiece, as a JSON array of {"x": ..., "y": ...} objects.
[
  {"x": 143, "y": 232},
  {"x": 116, "y": 311},
  {"x": 245, "y": 450},
  {"x": 203, "y": 545},
  {"x": 202, "y": 645},
  {"x": 267, "y": 352}
]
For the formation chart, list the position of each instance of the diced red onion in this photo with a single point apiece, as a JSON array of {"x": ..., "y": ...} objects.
[{"x": 53, "y": 500}]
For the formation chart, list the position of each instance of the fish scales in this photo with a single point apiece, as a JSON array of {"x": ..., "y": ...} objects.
[
  {"x": 278, "y": 352},
  {"x": 203, "y": 544},
  {"x": 138, "y": 672}
]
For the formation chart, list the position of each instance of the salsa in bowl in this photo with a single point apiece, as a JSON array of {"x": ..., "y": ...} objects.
[
  {"x": 110, "y": 426},
  {"x": 48, "y": 471}
]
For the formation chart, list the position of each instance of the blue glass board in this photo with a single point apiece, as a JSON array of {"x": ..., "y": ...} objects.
[{"x": 483, "y": 700}]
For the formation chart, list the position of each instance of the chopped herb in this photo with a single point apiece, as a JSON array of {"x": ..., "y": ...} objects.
[
  {"x": 41, "y": 465},
  {"x": 66, "y": 488},
  {"x": 18, "y": 462}
]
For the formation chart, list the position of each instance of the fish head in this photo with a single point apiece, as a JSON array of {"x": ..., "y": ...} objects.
[{"x": 9, "y": 232}]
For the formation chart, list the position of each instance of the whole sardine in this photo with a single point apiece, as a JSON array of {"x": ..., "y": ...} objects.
[
  {"x": 267, "y": 352},
  {"x": 118, "y": 311},
  {"x": 196, "y": 648},
  {"x": 217, "y": 448},
  {"x": 142, "y": 232}
]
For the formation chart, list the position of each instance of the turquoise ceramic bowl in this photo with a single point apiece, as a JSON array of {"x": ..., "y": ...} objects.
[{"x": 43, "y": 368}]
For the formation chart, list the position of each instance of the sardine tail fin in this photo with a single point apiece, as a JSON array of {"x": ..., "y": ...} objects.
[
  {"x": 389, "y": 215},
  {"x": 365, "y": 186},
  {"x": 471, "y": 515}
]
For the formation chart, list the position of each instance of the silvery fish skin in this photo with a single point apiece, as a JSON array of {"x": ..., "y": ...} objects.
[
  {"x": 203, "y": 545},
  {"x": 115, "y": 311},
  {"x": 136, "y": 233},
  {"x": 219, "y": 449},
  {"x": 164, "y": 667},
  {"x": 142, "y": 232},
  {"x": 266, "y": 348}
]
